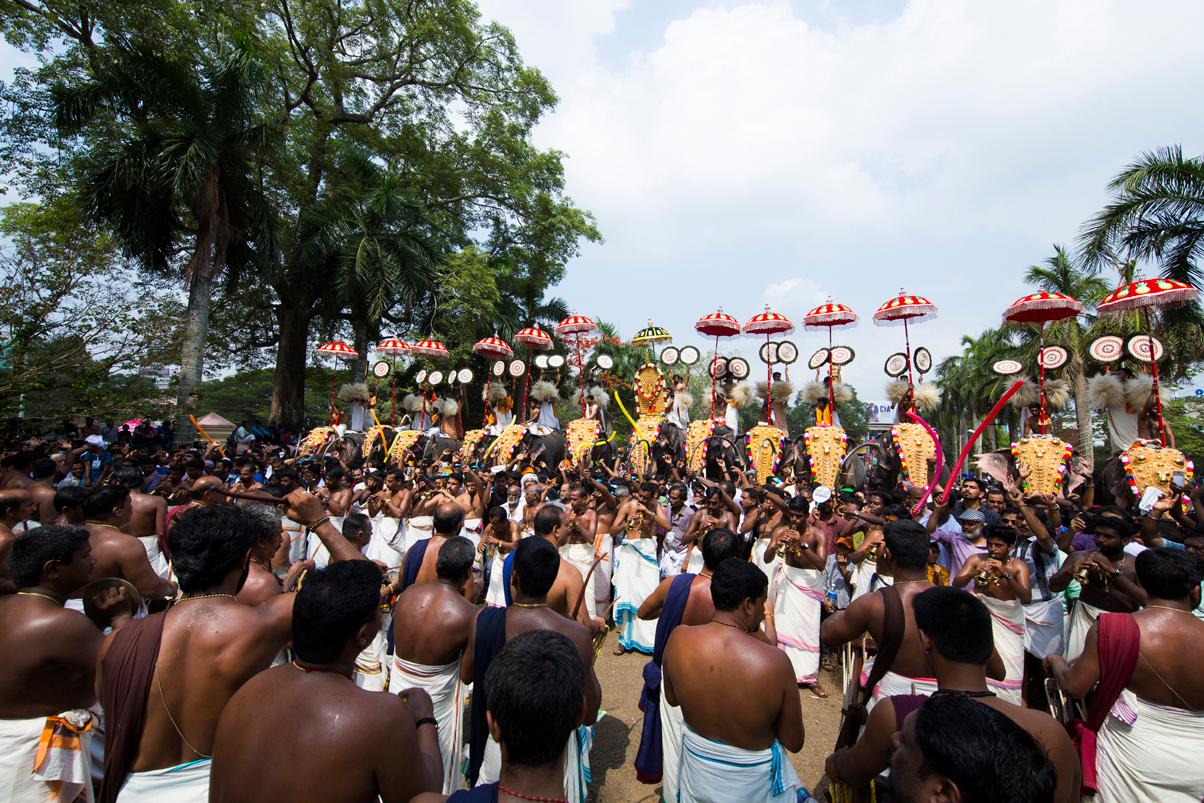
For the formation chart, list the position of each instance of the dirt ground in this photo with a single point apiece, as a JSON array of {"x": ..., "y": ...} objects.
[{"x": 617, "y": 735}]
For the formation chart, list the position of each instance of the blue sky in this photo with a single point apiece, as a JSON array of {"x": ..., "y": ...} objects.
[{"x": 745, "y": 153}]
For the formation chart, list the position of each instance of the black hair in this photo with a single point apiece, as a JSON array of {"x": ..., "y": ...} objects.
[
  {"x": 206, "y": 543},
  {"x": 42, "y": 468},
  {"x": 1002, "y": 533},
  {"x": 497, "y": 512},
  {"x": 70, "y": 496},
  {"x": 1114, "y": 517},
  {"x": 718, "y": 545},
  {"x": 535, "y": 688},
  {"x": 1168, "y": 573},
  {"x": 30, "y": 551},
  {"x": 735, "y": 581},
  {"x": 547, "y": 519},
  {"x": 104, "y": 500},
  {"x": 332, "y": 604},
  {"x": 536, "y": 563},
  {"x": 798, "y": 505},
  {"x": 456, "y": 557},
  {"x": 990, "y": 758},
  {"x": 886, "y": 498},
  {"x": 908, "y": 542},
  {"x": 650, "y": 487},
  {"x": 957, "y": 622},
  {"x": 981, "y": 485},
  {"x": 353, "y": 523},
  {"x": 128, "y": 477},
  {"x": 335, "y": 473},
  {"x": 900, "y": 512},
  {"x": 448, "y": 519}
]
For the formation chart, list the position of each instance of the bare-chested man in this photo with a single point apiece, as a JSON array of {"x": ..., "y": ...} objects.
[
  {"x": 536, "y": 565},
  {"x": 339, "y": 493},
  {"x": 637, "y": 570},
  {"x": 732, "y": 751},
  {"x": 422, "y": 558},
  {"x": 164, "y": 680},
  {"x": 567, "y": 595},
  {"x": 16, "y": 506},
  {"x": 431, "y": 625},
  {"x": 267, "y": 555},
  {"x": 117, "y": 553},
  {"x": 41, "y": 488},
  {"x": 955, "y": 631},
  {"x": 374, "y": 746},
  {"x": 1150, "y": 718},
  {"x": 1005, "y": 590},
  {"x": 204, "y": 491},
  {"x": 148, "y": 517},
  {"x": 49, "y": 667},
  {"x": 684, "y": 599},
  {"x": 713, "y": 514},
  {"x": 1106, "y": 576},
  {"x": 577, "y": 546}
]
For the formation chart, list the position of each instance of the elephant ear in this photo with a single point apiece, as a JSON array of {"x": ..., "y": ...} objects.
[{"x": 995, "y": 465}]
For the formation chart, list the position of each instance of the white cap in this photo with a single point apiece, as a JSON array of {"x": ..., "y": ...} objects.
[{"x": 95, "y": 440}]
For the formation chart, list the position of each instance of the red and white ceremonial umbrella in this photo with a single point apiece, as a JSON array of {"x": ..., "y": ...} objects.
[
  {"x": 1042, "y": 308},
  {"x": 394, "y": 347},
  {"x": 830, "y": 315},
  {"x": 431, "y": 349},
  {"x": 535, "y": 339},
  {"x": 1142, "y": 296},
  {"x": 904, "y": 309},
  {"x": 718, "y": 324},
  {"x": 339, "y": 351},
  {"x": 768, "y": 323},
  {"x": 491, "y": 348},
  {"x": 575, "y": 328}
]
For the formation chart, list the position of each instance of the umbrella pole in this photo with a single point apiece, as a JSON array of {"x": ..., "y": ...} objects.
[
  {"x": 911, "y": 387},
  {"x": 581, "y": 372},
  {"x": 334, "y": 381},
  {"x": 526, "y": 382},
  {"x": 485, "y": 406},
  {"x": 1145, "y": 313},
  {"x": 713, "y": 380},
  {"x": 768, "y": 386},
  {"x": 831, "y": 392},
  {"x": 1041, "y": 364}
]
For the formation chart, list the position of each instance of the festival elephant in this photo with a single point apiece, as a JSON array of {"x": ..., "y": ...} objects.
[
  {"x": 550, "y": 448},
  {"x": 723, "y": 446},
  {"x": 439, "y": 447}
]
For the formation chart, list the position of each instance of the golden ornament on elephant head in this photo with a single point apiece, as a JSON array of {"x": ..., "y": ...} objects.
[
  {"x": 826, "y": 447},
  {"x": 1042, "y": 461},
  {"x": 1148, "y": 464},
  {"x": 915, "y": 448},
  {"x": 581, "y": 435},
  {"x": 764, "y": 450}
]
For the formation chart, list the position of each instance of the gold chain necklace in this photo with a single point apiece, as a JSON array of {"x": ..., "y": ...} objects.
[
  {"x": 36, "y": 594},
  {"x": 729, "y": 624},
  {"x": 528, "y": 605},
  {"x": 188, "y": 597},
  {"x": 1169, "y": 608}
]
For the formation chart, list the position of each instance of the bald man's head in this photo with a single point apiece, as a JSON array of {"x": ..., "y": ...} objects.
[
  {"x": 202, "y": 490},
  {"x": 16, "y": 505},
  {"x": 449, "y": 519}
]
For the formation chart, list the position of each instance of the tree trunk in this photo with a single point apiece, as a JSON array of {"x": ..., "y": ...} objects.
[
  {"x": 359, "y": 366},
  {"x": 1082, "y": 413},
  {"x": 288, "y": 386},
  {"x": 192, "y": 350}
]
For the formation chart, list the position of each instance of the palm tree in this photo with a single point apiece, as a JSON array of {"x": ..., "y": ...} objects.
[
  {"x": 1158, "y": 213},
  {"x": 1060, "y": 274},
  {"x": 175, "y": 160}
]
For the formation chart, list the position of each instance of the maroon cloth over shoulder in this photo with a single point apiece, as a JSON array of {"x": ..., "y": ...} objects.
[
  {"x": 128, "y": 667},
  {"x": 1119, "y": 640}
]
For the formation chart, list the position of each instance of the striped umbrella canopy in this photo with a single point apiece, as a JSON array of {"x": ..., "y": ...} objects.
[
  {"x": 717, "y": 324},
  {"x": 430, "y": 348},
  {"x": 493, "y": 347},
  {"x": 533, "y": 338},
  {"x": 393, "y": 346},
  {"x": 337, "y": 348}
]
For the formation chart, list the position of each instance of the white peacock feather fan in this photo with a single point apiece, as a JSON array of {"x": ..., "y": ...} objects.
[
  {"x": 435, "y": 407},
  {"x": 544, "y": 391},
  {"x": 1029, "y": 393},
  {"x": 598, "y": 396},
  {"x": 411, "y": 403},
  {"x": 762, "y": 390},
  {"x": 1138, "y": 390},
  {"x": 1057, "y": 394},
  {"x": 684, "y": 399},
  {"x": 781, "y": 391},
  {"x": 741, "y": 396},
  {"x": 450, "y": 407},
  {"x": 1105, "y": 391},
  {"x": 495, "y": 394},
  {"x": 355, "y": 393},
  {"x": 813, "y": 392},
  {"x": 896, "y": 391},
  {"x": 927, "y": 395},
  {"x": 842, "y": 393}
]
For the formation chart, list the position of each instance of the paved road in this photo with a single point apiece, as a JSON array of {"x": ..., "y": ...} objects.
[{"x": 617, "y": 735}]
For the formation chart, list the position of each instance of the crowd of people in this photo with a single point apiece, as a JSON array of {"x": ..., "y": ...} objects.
[{"x": 208, "y": 623}]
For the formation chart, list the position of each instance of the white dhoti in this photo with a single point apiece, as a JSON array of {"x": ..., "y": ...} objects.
[
  {"x": 862, "y": 578},
  {"x": 1149, "y": 752},
  {"x": 154, "y": 554},
  {"x": 183, "y": 783},
  {"x": 317, "y": 551},
  {"x": 447, "y": 693},
  {"x": 796, "y": 611},
  {"x": 370, "y": 664},
  {"x": 770, "y": 567},
  {"x": 636, "y": 576},
  {"x": 1044, "y": 628},
  {"x": 674, "y": 562},
  {"x": 1082, "y": 617},
  {"x": 294, "y": 532},
  {"x": 582, "y": 557},
  {"x": 713, "y": 772},
  {"x": 671, "y": 728},
  {"x": 893, "y": 683},
  {"x": 576, "y": 764},
  {"x": 55, "y": 773},
  {"x": 387, "y": 544},
  {"x": 495, "y": 594},
  {"x": 418, "y": 528},
  {"x": 1007, "y": 628},
  {"x": 603, "y": 574},
  {"x": 472, "y": 531}
]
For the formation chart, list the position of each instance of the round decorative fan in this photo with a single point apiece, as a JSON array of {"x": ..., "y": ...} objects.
[
  {"x": 499, "y": 368},
  {"x": 787, "y": 352},
  {"x": 605, "y": 362},
  {"x": 556, "y": 361},
  {"x": 518, "y": 368},
  {"x": 1007, "y": 367},
  {"x": 1108, "y": 348},
  {"x": 896, "y": 365},
  {"x": 670, "y": 355},
  {"x": 922, "y": 360},
  {"x": 689, "y": 355},
  {"x": 420, "y": 377},
  {"x": 1053, "y": 357},
  {"x": 434, "y": 377},
  {"x": 769, "y": 352},
  {"x": 1139, "y": 346},
  {"x": 819, "y": 358},
  {"x": 541, "y": 361},
  {"x": 718, "y": 368},
  {"x": 465, "y": 376},
  {"x": 739, "y": 368},
  {"x": 842, "y": 355},
  {"x": 381, "y": 369}
]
